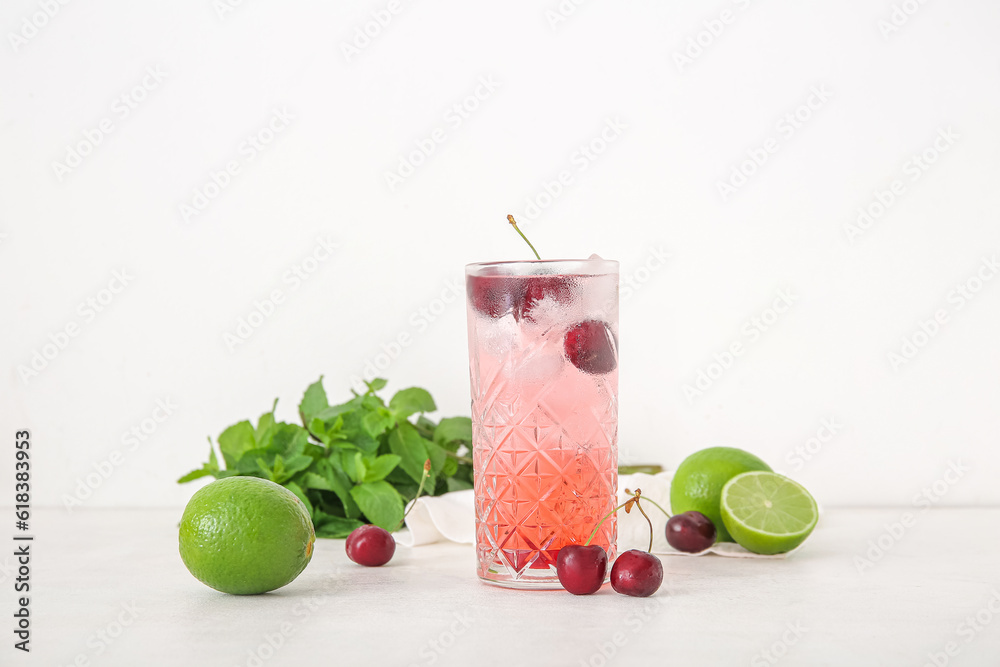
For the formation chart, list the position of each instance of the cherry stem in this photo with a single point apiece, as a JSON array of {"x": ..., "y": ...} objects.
[
  {"x": 637, "y": 504},
  {"x": 597, "y": 527},
  {"x": 655, "y": 504},
  {"x": 423, "y": 478},
  {"x": 633, "y": 498},
  {"x": 510, "y": 219}
]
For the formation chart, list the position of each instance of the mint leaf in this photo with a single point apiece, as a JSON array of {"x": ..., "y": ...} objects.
[
  {"x": 410, "y": 401},
  {"x": 373, "y": 402},
  {"x": 265, "y": 426},
  {"x": 378, "y": 422},
  {"x": 289, "y": 439},
  {"x": 453, "y": 430},
  {"x": 381, "y": 467},
  {"x": 327, "y": 432},
  {"x": 253, "y": 463},
  {"x": 193, "y": 475},
  {"x": 407, "y": 444},
  {"x": 206, "y": 469},
  {"x": 275, "y": 471},
  {"x": 378, "y": 384},
  {"x": 236, "y": 441},
  {"x": 345, "y": 422},
  {"x": 270, "y": 464},
  {"x": 457, "y": 484},
  {"x": 340, "y": 485},
  {"x": 332, "y": 412},
  {"x": 355, "y": 434},
  {"x": 425, "y": 427},
  {"x": 360, "y": 468},
  {"x": 311, "y": 480},
  {"x": 290, "y": 467},
  {"x": 328, "y": 525},
  {"x": 313, "y": 402},
  {"x": 437, "y": 455},
  {"x": 349, "y": 463},
  {"x": 380, "y": 503}
]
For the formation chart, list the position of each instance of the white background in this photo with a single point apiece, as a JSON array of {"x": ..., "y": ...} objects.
[{"x": 654, "y": 189}]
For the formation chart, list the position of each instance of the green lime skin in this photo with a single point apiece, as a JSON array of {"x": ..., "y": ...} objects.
[
  {"x": 245, "y": 535},
  {"x": 697, "y": 484},
  {"x": 767, "y": 513}
]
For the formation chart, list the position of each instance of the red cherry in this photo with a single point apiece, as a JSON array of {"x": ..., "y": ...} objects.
[
  {"x": 690, "y": 532},
  {"x": 494, "y": 295},
  {"x": 591, "y": 346},
  {"x": 370, "y": 545},
  {"x": 636, "y": 573},
  {"x": 581, "y": 569},
  {"x": 537, "y": 288}
]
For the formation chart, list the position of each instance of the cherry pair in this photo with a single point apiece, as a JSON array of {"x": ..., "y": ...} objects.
[{"x": 581, "y": 570}]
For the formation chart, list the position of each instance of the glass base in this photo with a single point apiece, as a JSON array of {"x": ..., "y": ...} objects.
[
  {"x": 530, "y": 580},
  {"x": 537, "y": 580}
]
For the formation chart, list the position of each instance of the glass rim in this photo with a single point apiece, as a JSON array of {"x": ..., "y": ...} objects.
[{"x": 526, "y": 267}]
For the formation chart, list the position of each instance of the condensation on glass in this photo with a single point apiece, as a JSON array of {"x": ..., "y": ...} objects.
[{"x": 543, "y": 358}]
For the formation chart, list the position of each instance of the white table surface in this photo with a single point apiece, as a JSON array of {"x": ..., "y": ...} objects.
[{"x": 427, "y": 607}]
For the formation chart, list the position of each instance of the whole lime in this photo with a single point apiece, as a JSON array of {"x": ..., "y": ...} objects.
[
  {"x": 697, "y": 484},
  {"x": 245, "y": 535}
]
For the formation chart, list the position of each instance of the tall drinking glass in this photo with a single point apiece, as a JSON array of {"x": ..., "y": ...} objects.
[{"x": 543, "y": 357}]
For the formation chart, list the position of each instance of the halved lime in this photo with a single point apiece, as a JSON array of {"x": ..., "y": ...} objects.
[
  {"x": 697, "y": 484},
  {"x": 767, "y": 513}
]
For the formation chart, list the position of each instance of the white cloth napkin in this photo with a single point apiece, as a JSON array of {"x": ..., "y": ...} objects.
[{"x": 451, "y": 517}]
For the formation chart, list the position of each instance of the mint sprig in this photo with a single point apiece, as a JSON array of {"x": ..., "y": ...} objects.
[{"x": 353, "y": 463}]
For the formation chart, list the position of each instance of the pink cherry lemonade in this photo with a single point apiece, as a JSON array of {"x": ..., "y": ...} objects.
[{"x": 543, "y": 355}]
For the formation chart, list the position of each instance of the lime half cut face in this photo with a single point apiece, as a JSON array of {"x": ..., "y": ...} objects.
[{"x": 767, "y": 513}]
